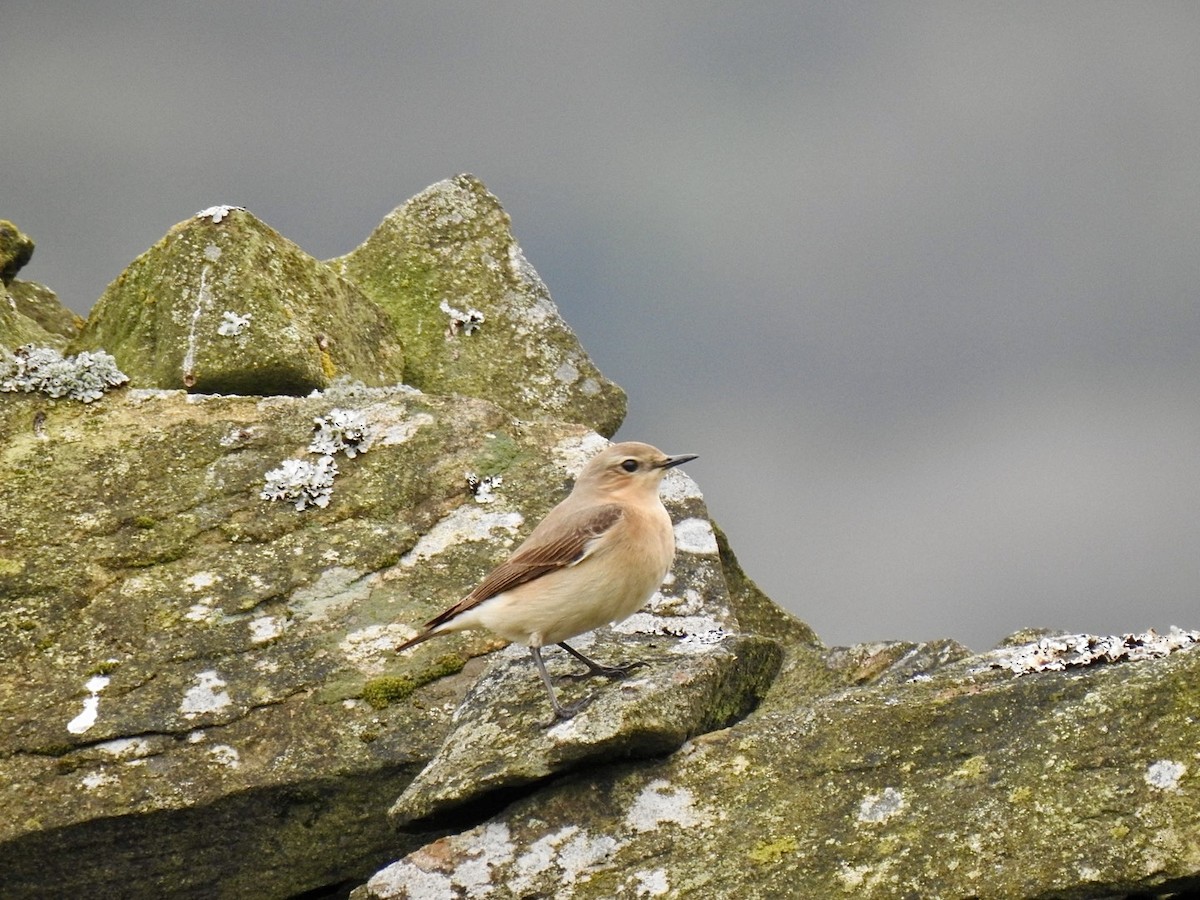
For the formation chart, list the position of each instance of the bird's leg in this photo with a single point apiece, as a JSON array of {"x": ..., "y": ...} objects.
[
  {"x": 561, "y": 713},
  {"x": 594, "y": 668}
]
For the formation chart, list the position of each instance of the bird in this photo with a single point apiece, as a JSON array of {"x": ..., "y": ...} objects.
[{"x": 595, "y": 559}]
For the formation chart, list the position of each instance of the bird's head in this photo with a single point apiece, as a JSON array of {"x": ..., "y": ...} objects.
[{"x": 627, "y": 469}]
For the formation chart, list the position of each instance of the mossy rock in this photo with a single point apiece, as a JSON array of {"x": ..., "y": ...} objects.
[
  {"x": 960, "y": 781},
  {"x": 42, "y": 305},
  {"x": 200, "y": 694},
  {"x": 225, "y": 304},
  {"x": 474, "y": 316},
  {"x": 16, "y": 249}
]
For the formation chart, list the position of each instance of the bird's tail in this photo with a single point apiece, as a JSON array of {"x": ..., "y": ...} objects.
[{"x": 419, "y": 639}]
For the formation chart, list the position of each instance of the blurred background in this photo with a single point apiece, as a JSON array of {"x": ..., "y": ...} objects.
[{"x": 917, "y": 281}]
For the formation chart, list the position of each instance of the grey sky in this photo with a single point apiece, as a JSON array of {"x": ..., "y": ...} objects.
[{"x": 917, "y": 281}]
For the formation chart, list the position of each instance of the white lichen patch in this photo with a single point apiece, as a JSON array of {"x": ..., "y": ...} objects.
[
  {"x": 85, "y": 376},
  {"x": 567, "y": 373},
  {"x": 689, "y": 603},
  {"x": 695, "y": 536},
  {"x": 467, "y": 523},
  {"x": 203, "y": 611},
  {"x": 127, "y": 748},
  {"x": 266, "y": 628},
  {"x": 876, "y": 808},
  {"x": 652, "y": 883},
  {"x": 404, "y": 878},
  {"x": 1056, "y": 653},
  {"x": 341, "y": 431},
  {"x": 206, "y": 695},
  {"x": 448, "y": 874},
  {"x": 217, "y": 213},
  {"x": 574, "y": 452},
  {"x": 696, "y": 634},
  {"x": 335, "y": 590},
  {"x": 91, "y": 705},
  {"x": 678, "y": 488},
  {"x": 345, "y": 389},
  {"x": 203, "y": 301},
  {"x": 482, "y": 488},
  {"x": 491, "y": 846},
  {"x": 232, "y": 324},
  {"x": 461, "y": 321},
  {"x": 398, "y": 432},
  {"x": 542, "y": 310},
  {"x": 301, "y": 482},
  {"x": 570, "y": 854},
  {"x": 659, "y": 803},
  {"x": 582, "y": 854},
  {"x": 97, "y": 779},
  {"x": 370, "y": 649},
  {"x": 224, "y": 755},
  {"x": 201, "y": 581},
  {"x": 240, "y": 436},
  {"x": 538, "y": 858},
  {"x": 1165, "y": 774},
  {"x": 859, "y": 879}
]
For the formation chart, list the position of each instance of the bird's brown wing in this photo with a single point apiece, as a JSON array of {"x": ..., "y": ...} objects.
[{"x": 547, "y": 549}]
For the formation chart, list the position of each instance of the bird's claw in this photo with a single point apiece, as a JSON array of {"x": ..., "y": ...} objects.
[
  {"x": 563, "y": 713},
  {"x": 606, "y": 671}
]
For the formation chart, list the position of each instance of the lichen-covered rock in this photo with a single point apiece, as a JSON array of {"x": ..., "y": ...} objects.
[
  {"x": 199, "y": 695},
  {"x": 700, "y": 673},
  {"x": 474, "y": 316},
  {"x": 85, "y": 376},
  {"x": 960, "y": 781},
  {"x": 26, "y": 312},
  {"x": 16, "y": 249},
  {"x": 42, "y": 305},
  {"x": 687, "y": 687},
  {"x": 18, "y": 329},
  {"x": 225, "y": 304}
]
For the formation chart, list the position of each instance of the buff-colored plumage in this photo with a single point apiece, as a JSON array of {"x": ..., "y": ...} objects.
[{"x": 596, "y": 558}]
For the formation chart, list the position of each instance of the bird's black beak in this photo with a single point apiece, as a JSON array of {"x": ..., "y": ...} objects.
[{"x": 671, "y": 461}]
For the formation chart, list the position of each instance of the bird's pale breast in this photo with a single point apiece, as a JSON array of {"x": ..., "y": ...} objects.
[{"x": 593, "y": 593}]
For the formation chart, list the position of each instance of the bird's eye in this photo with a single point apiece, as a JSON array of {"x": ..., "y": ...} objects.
[{"x": 630, "y": 465}]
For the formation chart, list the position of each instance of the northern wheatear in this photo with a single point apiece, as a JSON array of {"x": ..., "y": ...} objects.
[{"x": 596, "y": 558}]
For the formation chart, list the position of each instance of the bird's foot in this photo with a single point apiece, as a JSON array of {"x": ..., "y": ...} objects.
[
  {"x": 595, "y": 669},
  {"x": 563, "y": 713}
]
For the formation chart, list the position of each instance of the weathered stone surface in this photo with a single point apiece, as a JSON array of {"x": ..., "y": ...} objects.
[
  {"x": 225, "y": 304},
  {"x": 16, "y": 249},
  {"x": 687, "y": 687},
  {"x": 199, "y": 596},
  {"x": 29, "y": 312},
  {"x": 700, "y": 674},
  {"x": 963, "y": 781},
  {"x": 41, "y": 304},
  {"x": 200, "y": 697},
  {"x": 474, "y": 316},
  {"x": 18, "y": 329},
  {"x": 892, "y": 661}
]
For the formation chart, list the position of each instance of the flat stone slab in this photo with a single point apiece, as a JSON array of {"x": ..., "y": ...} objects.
[{"x": 498, "y": 740}]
